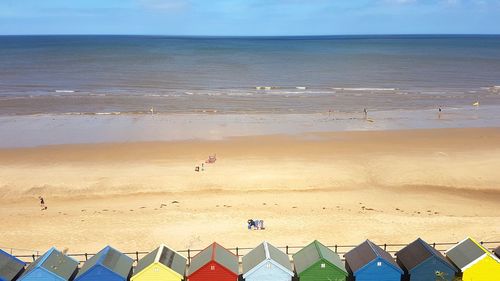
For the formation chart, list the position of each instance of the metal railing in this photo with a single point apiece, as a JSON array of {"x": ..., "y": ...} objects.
[{"x": 238, "y": 251}]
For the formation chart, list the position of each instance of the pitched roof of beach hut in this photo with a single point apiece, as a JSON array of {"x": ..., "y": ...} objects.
[
  {"x": 54, "y": 263},
  {"x": 218, "y": 254},
  {"x": 165, "y": 256},
  {"x": 475, "y": 261},
  {"x": 262, "y": 254},
  {"x": 418, "y": 252},
  {"x": 109, "y": 258},
  {"x": 313, "y": 253},
  {"x": 367, "y": 252},
  {"x": 10, "y": 267},
  {"x": 466, "y": 253}
]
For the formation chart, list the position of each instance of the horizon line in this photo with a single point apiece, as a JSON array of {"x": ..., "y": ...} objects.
[{"x": 257, "y": 36}]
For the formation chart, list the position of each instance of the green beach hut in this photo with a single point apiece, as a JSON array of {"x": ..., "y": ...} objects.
[{"x": 316, "y": 262}]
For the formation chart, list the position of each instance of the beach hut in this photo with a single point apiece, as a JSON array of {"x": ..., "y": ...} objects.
[
  {"x": 53, "y": 266},
  {"x": 162, "y": 264},
  {"x": 421, "y": 262},
  {"x": 10, "y": 267},
  {"x": 215, "y": 263},
  {"x": 497, "y": 251},
  {"x": 107, "y": 265},
  {"x": 267, "y": 263},
  {"x": 316, "y": 262},
  {"x": 475, "y": 261},
  {"x": 369, "y": 262}
]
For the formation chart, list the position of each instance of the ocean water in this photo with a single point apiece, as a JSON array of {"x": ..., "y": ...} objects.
[{"x": 75, "y": 75}]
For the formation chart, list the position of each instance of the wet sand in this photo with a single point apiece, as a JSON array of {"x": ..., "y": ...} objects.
[{"x": 340, "y": 187}]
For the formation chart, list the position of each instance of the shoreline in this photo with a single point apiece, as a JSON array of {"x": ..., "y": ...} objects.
[{"x": 41, "y": 130}]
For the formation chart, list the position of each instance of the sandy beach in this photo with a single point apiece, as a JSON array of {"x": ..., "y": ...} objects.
[{"x": 338, "y": 187}]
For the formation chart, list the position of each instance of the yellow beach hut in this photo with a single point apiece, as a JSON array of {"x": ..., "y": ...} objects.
[
  {"x": 475, "y": 261},
  {"x": 162, "y": 264}
]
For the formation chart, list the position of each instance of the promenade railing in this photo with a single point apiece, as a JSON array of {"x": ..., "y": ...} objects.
[{"x": 241, "y": 251}]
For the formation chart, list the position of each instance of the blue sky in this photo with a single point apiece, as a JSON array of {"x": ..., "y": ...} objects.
[{"x": 249, "y": 17}]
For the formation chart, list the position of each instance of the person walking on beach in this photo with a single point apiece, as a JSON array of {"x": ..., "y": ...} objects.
[
  {"x": 42, "y": 203},
  {"x": 365, "y": 111}
]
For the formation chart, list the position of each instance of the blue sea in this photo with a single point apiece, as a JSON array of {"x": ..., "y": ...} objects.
[{"x": 132, "y": 74}]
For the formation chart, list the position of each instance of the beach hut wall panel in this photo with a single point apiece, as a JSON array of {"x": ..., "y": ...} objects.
[
  {"x": 368, "y": 262},
  {"x": 421, "y": 262},
  {"x": 162, "y": 264},
  {"x": 107, "y": 265},
  {"x": 52, "y": 266},
  {"x": 267, "y": 263},
  {"x": 215, "y": 263},
  {"x": 475, "y": 261},
  {"x": 10, "y": 267},
  {"x": 316, "y": 262}
]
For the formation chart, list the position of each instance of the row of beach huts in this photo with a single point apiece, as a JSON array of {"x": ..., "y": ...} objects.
[{"x": 418, "y": 261}]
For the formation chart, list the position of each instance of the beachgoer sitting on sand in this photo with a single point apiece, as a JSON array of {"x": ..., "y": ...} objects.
[
  {"x": 197, "y": 168},
  {"x": 259, "y": 225},
  {"x": 42, "y": 203},
  {"x": 251, "y": 223},
  {"x": 211, "y": 159},
  {"x": 256, "y": 224}
]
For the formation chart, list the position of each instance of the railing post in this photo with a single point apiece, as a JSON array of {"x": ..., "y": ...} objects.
[
  {"x": 434, "y": 245},
  {"x": 336, "y": 248},
  {"x": 385, "y": 247},
  {"x": 33, "y": 257},
  {"x": 286, "y": 249},
  {"x": 189, "y": 257},
  {"x": 86, "y": 257},
  {"x": 237, "y": 252},
  {"x": 137, "y": 256}
]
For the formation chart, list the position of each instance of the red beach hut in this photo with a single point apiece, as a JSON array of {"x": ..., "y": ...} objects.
[{"x": 215, "y": 263}]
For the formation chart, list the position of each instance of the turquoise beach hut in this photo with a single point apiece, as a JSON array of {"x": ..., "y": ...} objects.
[
  {"x": 369, "y": 262},
  {"x": 10, "y": 267},
  {"x": 267, "y": 263},
  {"x": 107, "y": 265},
  {"x": 52, "y": 266}
]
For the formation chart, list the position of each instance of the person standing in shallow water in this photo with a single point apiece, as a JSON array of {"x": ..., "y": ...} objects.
[{"x": 365, "y": 111}]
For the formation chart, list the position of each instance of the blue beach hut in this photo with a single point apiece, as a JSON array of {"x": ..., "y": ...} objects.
[
  {"x": 52, "y": 266},
  {"x": 369, "y": 262},
  {"x": 421, "y": 262},
  {"x": 107, "y": 265},
  {"x": 10, "y": 267},
  {"x": 267, "y": 263}
]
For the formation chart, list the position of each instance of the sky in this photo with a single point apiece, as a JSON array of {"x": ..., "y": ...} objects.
[{"x": 249, "y": 17}]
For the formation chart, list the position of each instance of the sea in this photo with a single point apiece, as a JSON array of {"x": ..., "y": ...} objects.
[{"x": 391, "y": 76}]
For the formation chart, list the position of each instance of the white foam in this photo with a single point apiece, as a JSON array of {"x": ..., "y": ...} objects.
[
  {"x": 365, "y": 89},
  {"x": 64, "y": 91}
]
